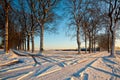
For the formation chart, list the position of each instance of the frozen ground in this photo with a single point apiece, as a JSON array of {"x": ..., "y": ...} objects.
[{"x": 60, "y": 65}]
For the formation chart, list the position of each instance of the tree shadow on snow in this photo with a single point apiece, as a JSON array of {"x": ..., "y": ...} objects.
[
  {"x": 42, "y": 71},
  {"x": 77, "y": 74},
  {"x": 61, "y": 64},
  {"x": 106, "y": 59},
  {"x": 14, "y": 75},
  {"x": 112, "y": 74}
]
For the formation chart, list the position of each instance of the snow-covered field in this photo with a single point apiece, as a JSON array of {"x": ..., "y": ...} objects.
[{"x": 60, "y": 65}]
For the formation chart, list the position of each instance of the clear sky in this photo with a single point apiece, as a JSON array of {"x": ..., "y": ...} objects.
[{"x": 57, "y": 41}]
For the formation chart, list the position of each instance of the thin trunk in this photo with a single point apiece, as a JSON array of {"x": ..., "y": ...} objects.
[
  {"x": 108, "y": 41},
  {"x": 113, "y": 44},
  {"x": 32, "y": 34},
  {"x": 32, "y": 38},
  {"x": 89, "y": 43},
  {"x": 6, "y": 27},
  {"x": 25, "y": 44},
  {"x": 94, "y": 44},
  {"x": 20, "y": 45},
  {"x": 92, "y": 41},
  {"x": 78, "y": 39},
  {"x": 28, "y": 42},
  {"x": 41, "y": 38},
  {"x": 85, "y": 43}
]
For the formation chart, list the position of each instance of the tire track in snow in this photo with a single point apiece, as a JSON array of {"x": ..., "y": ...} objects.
[
  {"x": 7, "y": 75},
  {"x": 67, "y": 71},
  {"x": 70, "y": 70}
]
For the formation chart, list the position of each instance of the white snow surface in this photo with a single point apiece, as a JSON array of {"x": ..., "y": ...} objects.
[{"x": 60, "y": 65}]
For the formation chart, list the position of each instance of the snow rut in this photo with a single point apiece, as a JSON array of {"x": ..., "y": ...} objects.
[
  {"x": 67, "y": 71},
  {"x": 55, "y": 69}
]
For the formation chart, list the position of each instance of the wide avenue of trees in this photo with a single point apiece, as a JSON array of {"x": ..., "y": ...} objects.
[{"x": 93, "y": 21}]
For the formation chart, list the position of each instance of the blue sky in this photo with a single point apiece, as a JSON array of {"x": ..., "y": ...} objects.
[{"x": 57, "y": 41}]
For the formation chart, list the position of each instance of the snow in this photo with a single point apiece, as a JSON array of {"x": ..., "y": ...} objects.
[
  {"x": 105, "y": 70},
  {"x": 60, "y": 65}
]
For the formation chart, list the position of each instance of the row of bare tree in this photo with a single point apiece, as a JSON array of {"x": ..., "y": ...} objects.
[
  {"x": 90, "y": 17},
  {"x": 26, "y": 18},
  {"x": 23, "y": 19}
]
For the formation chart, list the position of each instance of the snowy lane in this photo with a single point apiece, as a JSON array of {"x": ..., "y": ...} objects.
[
  {"x": 68, "y": 71},
  {"x": 64, "y": 67},
  {"x": 71, "y": 70},
  {"x": 11, "y": 72}
]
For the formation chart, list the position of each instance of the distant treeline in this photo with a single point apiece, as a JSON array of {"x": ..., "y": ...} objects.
[{"x": 82, "y": 49}]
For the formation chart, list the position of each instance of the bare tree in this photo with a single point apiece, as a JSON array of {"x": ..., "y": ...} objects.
[
  {"x": 114, "y": 17},
  {"x": 33, "y": 27},
  {"x": 92, "y": 23},
  {"x": 44, "y": 14},
  {"x": 24, "y": 20},
  {"x": 74, "y": 8},
  {"x": 85, "y": 34}
]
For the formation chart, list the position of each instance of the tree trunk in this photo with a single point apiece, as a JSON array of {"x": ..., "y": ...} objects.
[
  {"x": 108, "y": 41},
  {"x": 92, "y": 41},
  {"x": 32, "y": 38},
  {"x": 6, "y": 27},
  {"x": 78, "y": 39},
  {"x": 20, "y": 45},
  {"x": 89, "y": 43},
  {"x": 25, "y": 44},
  {"x": 113, "y": 44},
  {"x": 85, "y": 42},
  {"x": 94, "y": 44},
  {"x": 28, "y": 42},
  {"x": 41, "y": 37}
]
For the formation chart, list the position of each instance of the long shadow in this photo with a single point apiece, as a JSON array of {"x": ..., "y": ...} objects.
[
  {"x": 106, "y": 72},
  {"x": 61, "y": 64},
  {"x": 111, "y": 63},
  {"x": 47, "y": 59},
  {"x": 14, "y": 75},
  {"x": 34, "y": 56},
  {"x": 108, "y": 60},
  {"x": 81, "y": 70},
  {"x": 42, "y": 71}
]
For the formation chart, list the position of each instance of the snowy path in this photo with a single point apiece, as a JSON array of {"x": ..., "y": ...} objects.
[
  {"x": 71, "y": 70},
  {"x": 64, "y": 67},
  {"x": 67, "y": 71}
]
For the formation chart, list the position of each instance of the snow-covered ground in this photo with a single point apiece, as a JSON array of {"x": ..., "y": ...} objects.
[{"x": 60, "y": 65}]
